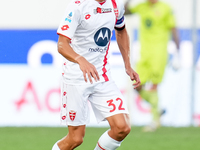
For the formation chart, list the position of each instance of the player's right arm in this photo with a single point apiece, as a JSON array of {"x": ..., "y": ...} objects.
[
  {"x": 66, "y": 31},
  {"x": 66, "y": 51}
]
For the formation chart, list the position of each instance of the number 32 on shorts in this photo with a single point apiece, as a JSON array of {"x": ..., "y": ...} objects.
[{"x": 112, "y": 104}]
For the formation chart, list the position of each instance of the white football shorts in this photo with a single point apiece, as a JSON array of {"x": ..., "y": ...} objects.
[{"x": 104, "y": 97}]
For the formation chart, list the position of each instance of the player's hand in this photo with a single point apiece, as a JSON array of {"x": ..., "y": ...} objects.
[
  {"x": 89, "y": 70},
  {"x": 134, "y": 77},
  {"x": 176, "y": 61}
]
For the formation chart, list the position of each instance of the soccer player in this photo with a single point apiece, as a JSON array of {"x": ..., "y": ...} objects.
[
  {"x": 156, "y": 24},
  {"x": 84, "y": 39}
]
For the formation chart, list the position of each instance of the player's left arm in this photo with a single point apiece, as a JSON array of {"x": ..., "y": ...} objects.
[
  {"x": 123, "y": 42},
  {"x": 171, "y": 23},
  {"x": 175, "y": 37}
]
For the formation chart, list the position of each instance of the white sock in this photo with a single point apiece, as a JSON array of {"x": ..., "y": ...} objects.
[
  {"x": 55, "y": 146},
  {"x": 107, "y": 143}
]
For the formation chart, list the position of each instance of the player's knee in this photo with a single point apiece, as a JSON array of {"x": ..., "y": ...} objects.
[
  {"x": 126, "y": 130},
  {"x": 122, "y": 130},
  {"x": 78, "y": 140}
]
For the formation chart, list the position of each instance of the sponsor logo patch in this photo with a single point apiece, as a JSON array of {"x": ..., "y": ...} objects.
[
  {"x": 65, "y": 27},
  {"x": 100, "y": 50},
  {"x": 102, "y": 10},
  {"x": 69, "y": 17},
  {"x": 87, "y": 16},
  {"x": 102, "y": 36}
]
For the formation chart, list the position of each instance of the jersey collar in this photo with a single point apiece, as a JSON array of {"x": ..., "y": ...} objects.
[{"x": 101, "y": 3}]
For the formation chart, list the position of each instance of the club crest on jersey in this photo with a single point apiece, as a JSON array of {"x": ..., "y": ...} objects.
[
  {"x": 72, "y": 115},
  {"x": 69, "y": 17},
  {"x": 102, "y": 10},
  {"x": 102, "y": 36}
]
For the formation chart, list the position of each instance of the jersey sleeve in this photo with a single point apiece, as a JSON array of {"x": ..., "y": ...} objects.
[
  {"x": 170, "y": 19},
  {"x": 70, "y": 21},
  {"x": 120, "y": 20}
]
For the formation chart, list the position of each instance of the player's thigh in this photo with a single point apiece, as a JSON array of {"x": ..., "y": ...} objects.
[{"x": 107, "y": 100}]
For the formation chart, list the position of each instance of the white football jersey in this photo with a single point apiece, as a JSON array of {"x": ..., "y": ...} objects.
[{"x": 89, "y": 25}]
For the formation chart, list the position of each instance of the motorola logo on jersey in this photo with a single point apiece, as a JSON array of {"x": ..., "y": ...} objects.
[
  {"x": 102, "y": 36},
  {"x": 101, "y": 50}
]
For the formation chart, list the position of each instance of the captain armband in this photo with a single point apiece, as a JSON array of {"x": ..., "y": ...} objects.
[{"x": 119, "y": 29}]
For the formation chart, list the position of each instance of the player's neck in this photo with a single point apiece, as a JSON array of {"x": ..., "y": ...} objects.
[
  {"x": 100, "y": 1},
  {"x": 152, "y": 4}
]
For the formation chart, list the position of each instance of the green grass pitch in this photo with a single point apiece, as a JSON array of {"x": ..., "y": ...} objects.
[{"x": 43, "y": 138}]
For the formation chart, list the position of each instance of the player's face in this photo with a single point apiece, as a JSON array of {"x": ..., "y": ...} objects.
[{"x": 153, "y": 1}]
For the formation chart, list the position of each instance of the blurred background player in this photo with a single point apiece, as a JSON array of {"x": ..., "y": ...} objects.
[{"x": 156, "y": 24}]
